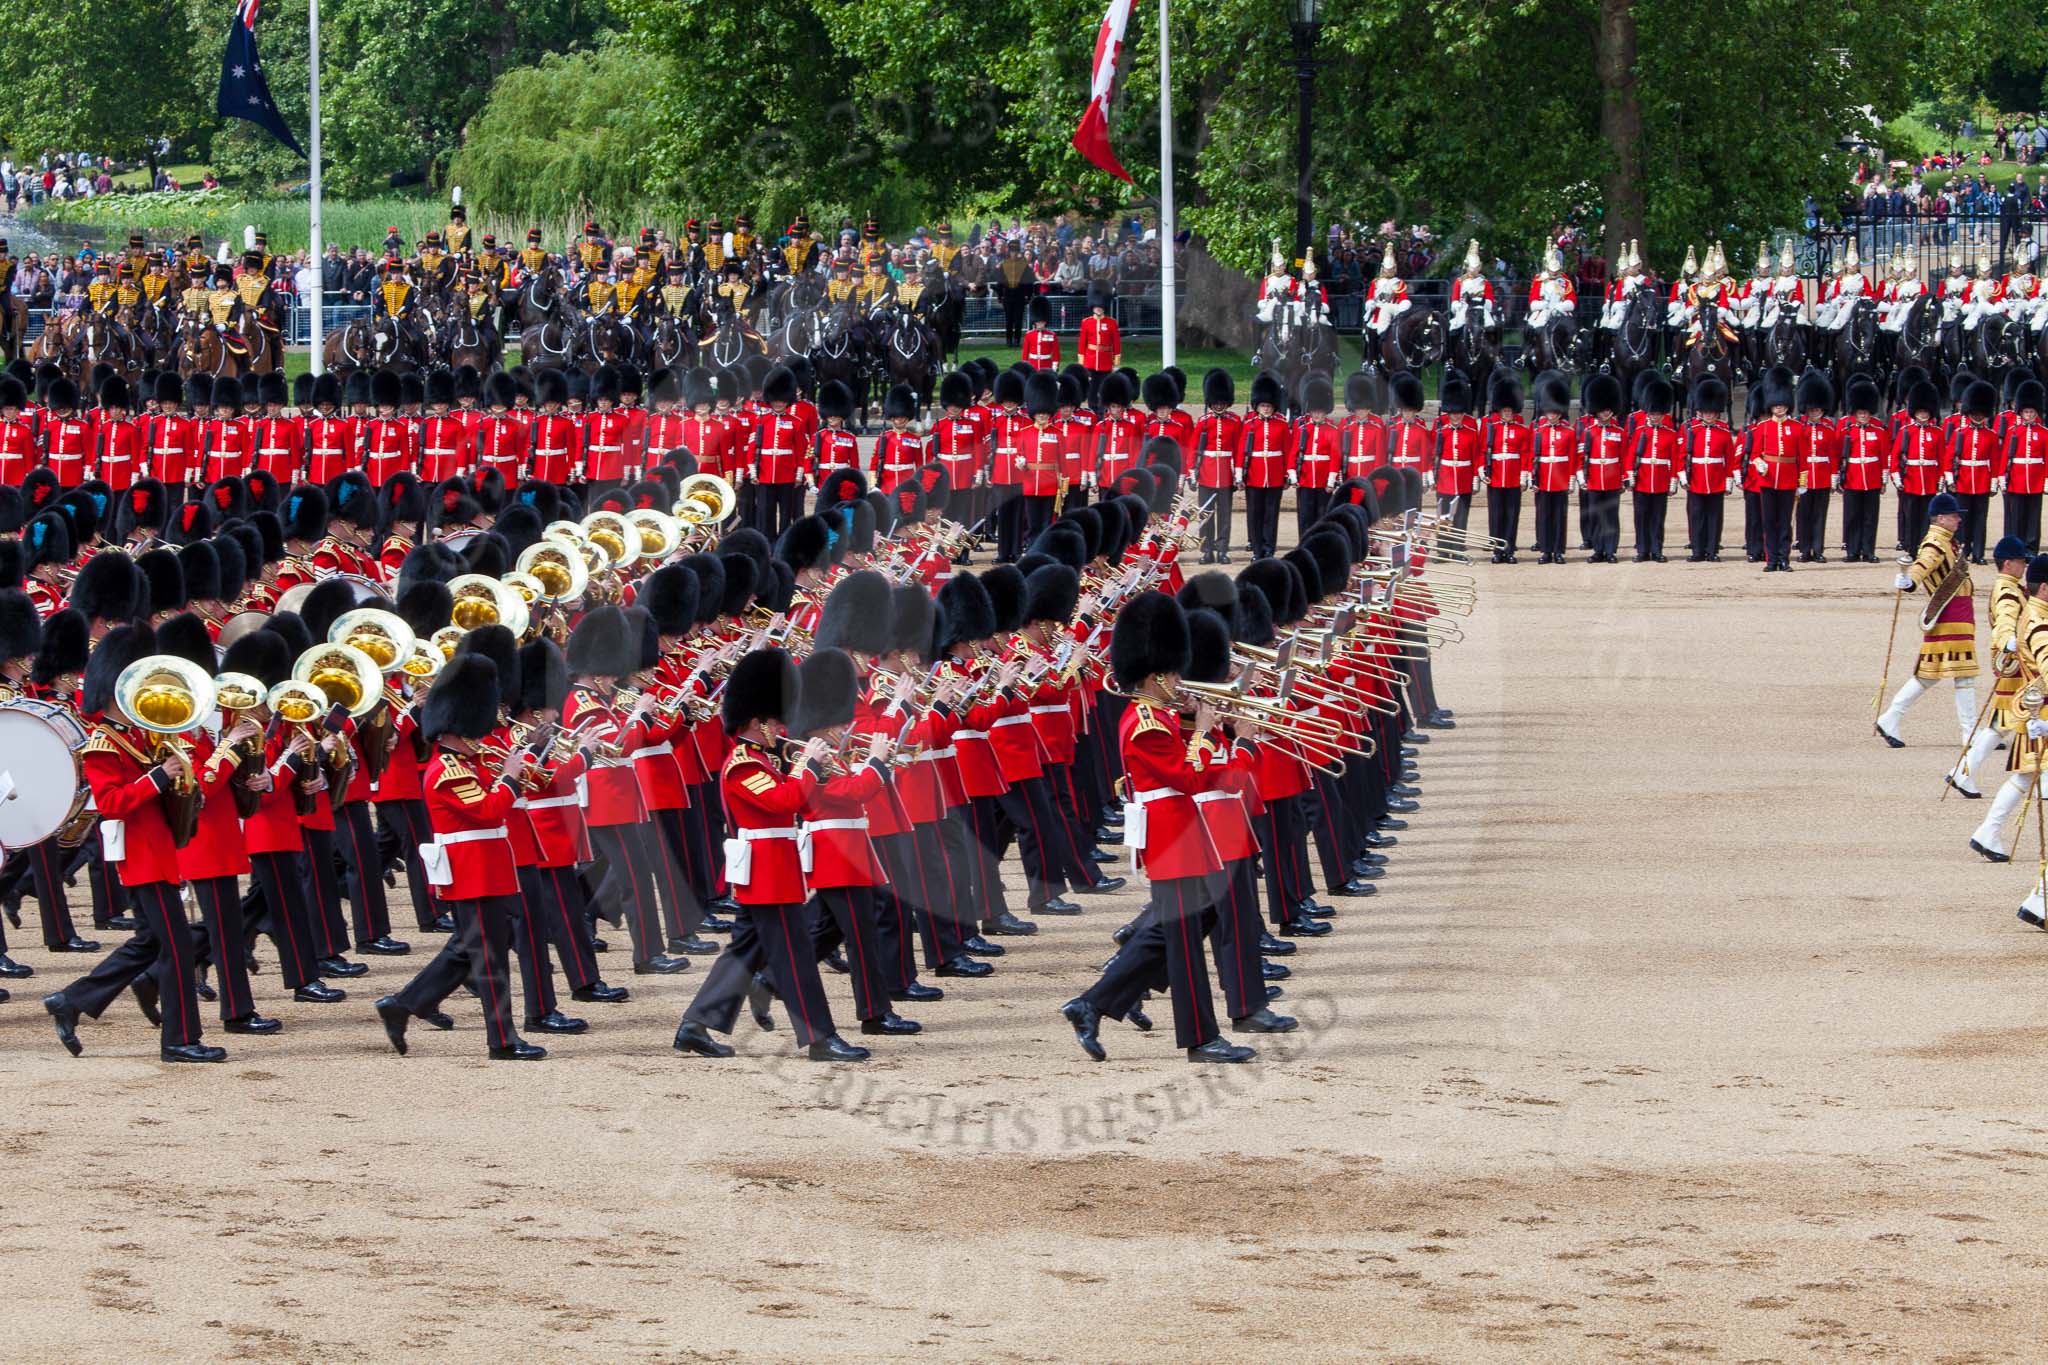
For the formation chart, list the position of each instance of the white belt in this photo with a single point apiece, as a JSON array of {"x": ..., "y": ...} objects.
[
  {"x": 470, "y": 836},
  {"x": 548, "y": 802},
  {"x": 1059, "y": 710},
  {"x": 654, "y": 750},
  {"x": 1206, "y": 798},
  {"x": 610, "y": 763},
  {"x": 932, "y": 755},
  {"x": 811, "y": 827},
  {"x": 434, "y": 853},
  {"x": 1010, "y": 720},
  {"x": 739, "y": 851},
  {"x": 971, "y": 734},
  {"x": 1134, "y": 814}
]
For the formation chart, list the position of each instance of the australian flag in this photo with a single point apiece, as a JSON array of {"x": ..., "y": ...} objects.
[{"x": 244, "y": 93}]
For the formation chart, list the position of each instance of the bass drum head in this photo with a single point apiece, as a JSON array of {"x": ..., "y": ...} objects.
[{"x": 36, "y": 759}]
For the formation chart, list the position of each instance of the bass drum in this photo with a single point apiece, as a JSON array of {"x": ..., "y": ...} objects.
[{"x": 39, "y": 769}]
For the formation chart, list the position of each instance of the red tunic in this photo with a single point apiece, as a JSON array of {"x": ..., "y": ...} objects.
[
  {"x": 1101, "y": 344},
  {"x": 331, "y": 444},
  {"x": 1818, "y": 465},
  {"x": 1265, "y": 451},
  {"x": 1216, "y": 447},
  {"x": 763, "y": 808},
  {"x": 898, "y": 456},
  {"x": 1866, "y": 452},
  {"x": 1772, "y": 453},
  {"x": 127, "y": 787},
  {"x": 467, "y": 808},
  {"x": 1922, "y": 458},
  {"x": 1006, "y": 469},
  {"x": 1653, "y": 456},
  {"x": 444, "y": 449},
  {"x": 557, "y": 447},
  {"x": 1411, "y": 444},
  {"x": 1114, "y": 449},
  {"x": 1508, "y": 447},
  {"x": 607, "y": 443},
  {"x": 613, "y": 786},
  {"x": 123, "y": 453},
  {"x": 1603, "y": 446},
  {"x": 836, "y": 830},
  {"x": 503, "y": 441},
  {"x": 1459, "y": 454},
  {"x": 174, "y": 449},
  {"x": 280, "y": 442},
  {"x": 1318, "y": 453},
  {"x": 782, "y": 442},
  {"x": 1038, "y": 458},
  {"x": 388, "y": 445},
  {"x": 1710, "y": 456},
  {"x": 68, "y": 450},
  {"x": 2026, "y": 458},
  {"x": 834, "y": 448},
  {"x": 18, "y": 452},
  {"x": 1041, "y": 350},
  {"x": 1160, "y": 818},
  {"x": 219, "y": 848},
  {"x": 230, "y": 448},
  {"x": 960, "y": 445}
]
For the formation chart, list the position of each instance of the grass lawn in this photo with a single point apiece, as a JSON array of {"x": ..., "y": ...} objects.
[{"x": 186, "y": 173}]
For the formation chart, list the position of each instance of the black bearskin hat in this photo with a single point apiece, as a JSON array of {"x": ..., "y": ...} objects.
[
  {"x": 1151, "y": 636},
  {"x": 965, "y": 612},
  {"x": 67, "y": 640},
  {"x": 21, "y": 630},
  {"x": 604, "y": 645},
  {"x": 856, "y": 614},
  {"x": 185, "y": 636},
  {"x": 670, "y": 596},
  {"x": 827, "y": 686},
  {"x": 1006, "y": 595},
  {"x": 543, "y": 676},
  {"x": 122, "y": 646},
  {"x": 426, "y": 607},
  {"x": 804, "y": 542},
  {"x": 501, "y": 647},
  {"x": 1208, "y": 647},
  {"x": 763, "y": 686},
  {"x": 430, "y": 563},
  {"x": 1051, "y": 593},
  {"x": 262, "y": 654},
  {"x": 463, "y": 701},
  {"x": 108, "y": 588},
  {"x": 164, "y": 576},
  {"x": 912, "y": 618}
]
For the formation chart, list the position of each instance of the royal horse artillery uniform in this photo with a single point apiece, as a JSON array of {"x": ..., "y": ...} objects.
[{"x": 1948, "y": 648}]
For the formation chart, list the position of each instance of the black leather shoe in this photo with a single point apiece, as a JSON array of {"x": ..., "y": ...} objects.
[
  {"x": 1101, "y": 888},
  {"x": 443, "y": 924},
  {"x": 833, "y": 1048},
  {"x": 1440, "y": 719},
  {"x": 1405, "y": 790},
  {"x": 661, "y": 966},
  {"x": 1413, "y": 737},
  {"x": 1122, "y": 933},
  {"x": 253, "y": 1023},
  {"x": 146, "y": 998},
  {"x": 597, "y": 993},
  {"x": 1274, "y": 947},
  {"x": 1273, "y": 971},
  {"x": 598, "y": 945},
  {"x": 65, "y": 1015},
  {"x": 439, "y": 1020},
  {"x": 1101, "y": 855},
  {"x": 1265, "y": 1021},
  {"x": 519, "y": 1050},
  {"x": 1408, "y": 751},
  {"x": 1274, "y": 992},
  {"x": 917, "y": 990},
  {"x": 1389, "y": 823},
  {"x": 713, "y": 924},
  {"x": 2028, "y": 917},
  {"x": 1007, "y": 924},
  {"x": 964, "y": 965},
  {"x": 1990, "y": 855},
  {"x": 1315, "y": 909},
  {"x": 725, "y": 905},
  {"x": 1087, "y": 1027},
  {"x": 318, "y": 993},
  {"x": 697, "y": 1039},
  {"x": 836, "y": 960},
  {"x": 1379, "y": 838},
  {"x": 1400, "y": 806},
  {"x": 10, "y": 970},
  {"x": 1220, "y": 1051},
  {"x": 690, "y": 943},
  {"x": 1304, "y": 927},
  {"x": 193, "y": 1052},
  {"x": 760, "y": 999},
  {"x": 75, "y": 944},
  {"x": 1058, "y": 905},
  {"x": 554, "y": 1021},
  {"x": 384, "y": 946},
  {"x": 1357, "y": 886},
  {"x": 395, "y": 1017},
  {"x": 981, "y": 947},
  {"x": 126, "y": 924},
  {"x": 1890, "y": 739},
  {"x": 341, "y": 967},
  {"x": 1136, "y": 1017},
  {"x": 891, "y": 1022},
  {"x": 201, "y": 989}
]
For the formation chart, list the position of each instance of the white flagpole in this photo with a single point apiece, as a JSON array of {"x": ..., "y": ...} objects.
[
  {"x": 317, "y": 251},
  {"x": 1166, "y": 302}
]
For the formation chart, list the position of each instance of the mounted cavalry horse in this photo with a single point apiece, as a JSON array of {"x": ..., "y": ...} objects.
[
  {"x": 908, "y": 350},
  {"x": 1416, "y": 341},
  {"x": 78, "y": 341},
  {"x": 1711, "y": 354},
  {"x": 382, "y": 342},
  {"x": 1296, "y": 346}
]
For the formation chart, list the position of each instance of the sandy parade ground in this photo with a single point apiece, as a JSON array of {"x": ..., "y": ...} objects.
[{"x": 1683, "y": 1026}]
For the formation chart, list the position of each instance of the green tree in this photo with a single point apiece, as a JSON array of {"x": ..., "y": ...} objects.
[{"x": 92, "y": 75}]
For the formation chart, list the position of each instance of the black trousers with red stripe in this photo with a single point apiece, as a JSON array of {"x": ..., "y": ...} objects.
[
  {"x": 330, "y": 930},
  {"x": 1234, "y": 938},
  {"x": 936, "y": 882},
  {"x": 286, "y": 917},
  {"x": 475, "y": 953},
  {"x": 903, "y": 904},
  {"x": 630, "y": 888},
  {"x": 220, "y": 908},
  {"x": 846, "y": 914},
  {"x": 355, "y": 835},
  {"x": 667, "y": 848},
  {"x": 48, "y": 861},
  {"x": 1283, "y": 845},
  {"x": 530, "y": 940},
  {"x": 1051, "y": 863},
  {"x": 407, "y": 821},
  {"x": 1169, "y": 933},
  {"x": 774, "y": 939},
  {"x": 161, "y": 947},
  {"x": 554, "y": 898}
]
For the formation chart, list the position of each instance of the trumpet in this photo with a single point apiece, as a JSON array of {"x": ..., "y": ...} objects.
[
  {"x": 237, "y": 694},
  {"x": 170, "y": 698}
]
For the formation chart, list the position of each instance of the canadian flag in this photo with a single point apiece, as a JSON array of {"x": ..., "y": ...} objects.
[{"x": 1091, "y": 138}]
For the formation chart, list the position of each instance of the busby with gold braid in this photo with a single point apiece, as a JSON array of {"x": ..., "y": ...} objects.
[
  {"x": 763, "y": 686},
  {"x": 1151, "y": 637}
]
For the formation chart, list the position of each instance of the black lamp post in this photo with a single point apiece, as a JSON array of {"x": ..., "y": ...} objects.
[{"x": 1307, "y": 24}]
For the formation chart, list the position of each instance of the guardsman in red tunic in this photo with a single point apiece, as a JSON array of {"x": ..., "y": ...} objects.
[
  {"x": 1076, "y": 425},
  {"x": 1318, "y": 454},
  {"x": 330, "y": 438},
  {"x": 1773, "y": 454},
  {"x": 1411, "y": 444},
  {"x": 900, "y": 452},
  {"x": 1163, "y": 775},
  {"x": 1006, "y": 466},
  {"x": 469, "y": 862},
  {"x": 834, "y": 446},
  {"x": 174, "y": 458},
  {"x": 1604, "y": 455},
  {"x": 607, "y": 437},
  {"x": 1365, "y": 426},
  {"x": 959, "y": 444},
  {"x": 280, "y": 441},
  {"x": 504, "y": 436},
  {"x": 2026, "y": 464},
  {"x": 782, "y": 445},
  {"x": 1922, "y": 454},
  {"x": 1652, "y": 466},
  {"x": 1976, "y": 464},
  {"x": 1216, "y": 460},
  {"x": 557, "y": 436},
  {"x": 1117, "y": 442},
  {"x": 1101, "y": 346},
  {"x": 1164, "y": 416},
  {"x": 1506, "y": 437},
  {"x": 67, "y": 436},
  {"x": 1818, "y": 467},
  {"x": 228, "y": 441},
  {"x": 1041, "y": 347},
  {"x": 18, "y": 452},
  {"x": 1710, "y": 459},
  {"x": 764, "y": 864},
  {"x": 122, "y": 450},
  {"x": 1265, "y": 460},
  {"x": 1038, "y": 455},
  {"x": 1460, "y": 450},
  {"x": 703, "y": 434},
  {"x": 1866, "y": 453},
  {"x": 386, "y": 443},
  {"x": 666, "y": 427},
  {"x": 443, "y": 437},
  {"x": 131, "y": 781}
]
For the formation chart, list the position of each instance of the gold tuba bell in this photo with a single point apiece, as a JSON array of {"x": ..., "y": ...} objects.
[
  {"x": 609, "y": 532},
  {"x": 558, "y": 567},
  {"x": 383, "y": 635},
  {"x": 345, "y": 675},
  {"x": 484, "y": 601},
  {"x": 237, "y": 694},
  {"x": 170, "y": 697},
  {"x": 659, "y": 533},
  {"x": 704, "y": 500}
]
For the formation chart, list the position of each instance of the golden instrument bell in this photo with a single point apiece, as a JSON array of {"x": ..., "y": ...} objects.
[
  {"x": 609, "y": 532},
  {"x": 166, "y": 694},
  {"x": 383, "y": 635},
  {"x": 424, "y": 662},
  {"x": 296, "y": 703},
  {"x": 485, "y": 601},
  {"x": 704, "y": 500},
  {"x": 658, "y": 531},
  {"x": 346, "y": 676},
  {"x": 558, "y": 566},
  {"x": 237, "y": 692}
]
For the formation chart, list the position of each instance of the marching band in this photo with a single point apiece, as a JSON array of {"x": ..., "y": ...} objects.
[{"x": 561, "y": 678}]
